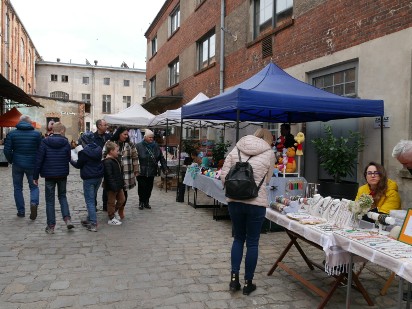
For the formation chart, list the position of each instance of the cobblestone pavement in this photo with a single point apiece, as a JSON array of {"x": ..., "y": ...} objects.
[{"x": 172, "y": 256}]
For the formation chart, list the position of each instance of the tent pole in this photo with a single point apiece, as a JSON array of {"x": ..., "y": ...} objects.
[
  {"x": 167, "y": 143},
  {"x": 237, "y": 124},
  {"x": 382, "y": 156},
  {"x": 178, "y": 159}
]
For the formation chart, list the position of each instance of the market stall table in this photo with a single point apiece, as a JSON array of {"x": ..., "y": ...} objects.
[
  {"x": 318, "y": 237},
  {"x": 379, "y": 249},
  {"x": 211, "y": 187}
]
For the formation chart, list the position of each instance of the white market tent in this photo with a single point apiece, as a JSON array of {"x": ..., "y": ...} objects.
[
  {"x": 135, "y": 115},
  {"x": 174, "y": 116}
]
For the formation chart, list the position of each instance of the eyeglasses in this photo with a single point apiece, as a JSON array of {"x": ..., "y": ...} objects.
[{"x": 373, "y": 173}]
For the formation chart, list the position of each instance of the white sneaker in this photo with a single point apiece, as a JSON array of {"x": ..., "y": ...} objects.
[
  {"x": 116, "y": 215},
  {"x": 114, "y": 221}
]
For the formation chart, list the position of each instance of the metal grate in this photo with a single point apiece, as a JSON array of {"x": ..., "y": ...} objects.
[{"x": 267, "y": 47}]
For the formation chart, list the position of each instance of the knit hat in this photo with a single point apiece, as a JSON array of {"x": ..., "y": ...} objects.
[
  {"x": 148, "y": 133},
  {"x": 87, "y": 138}
]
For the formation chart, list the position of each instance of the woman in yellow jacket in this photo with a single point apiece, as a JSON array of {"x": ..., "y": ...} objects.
[{"x": 384, "y": 191}]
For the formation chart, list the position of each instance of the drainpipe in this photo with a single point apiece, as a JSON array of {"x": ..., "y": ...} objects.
[{"x": 222, "y": 46}]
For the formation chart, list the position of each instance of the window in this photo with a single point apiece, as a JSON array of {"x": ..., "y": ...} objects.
[
  {"x": 144, "y": 84},
  {"x": 174, "y": 73},
  {"x": 340, "y": 80},
  {"x": 126, "y": 83},
  {"x": 22, "y": 82},
  {"x": 86, "y": 97},
  {"x": 59, "y": 95},
  {"x": 106, "y": 106},
  {"x": 85, "y": 80},
  {"x": 53, "y": 77},
  {"x": 22, "y": 51},
  {"x": 65, "y": 78},
  {"x": 153, "y": 86},
  {"x": 206, "y": 50},
  {"x": 175, "y": 20},
  {"x": 127, "y": 100},
  {"x": 29, "y": 60},
  {"x": 154, "y": 46},
  {"x": 106, "y": 81},
  {"x": 263, "y": 13}
]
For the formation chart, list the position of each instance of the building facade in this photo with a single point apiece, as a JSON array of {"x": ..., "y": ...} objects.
[
  {"x": 353, "y": 48},
  {"x": 17, "y": 51},
  {"x": 107, "y": 90}
]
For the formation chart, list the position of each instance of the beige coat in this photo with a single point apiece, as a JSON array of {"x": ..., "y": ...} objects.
[{"x": 263, "y": 161}]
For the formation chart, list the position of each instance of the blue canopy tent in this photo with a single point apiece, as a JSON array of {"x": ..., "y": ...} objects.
[{"x": 272, "y": 95}]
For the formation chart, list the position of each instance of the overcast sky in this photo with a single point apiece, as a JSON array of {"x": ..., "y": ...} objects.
[{"x": 107, "y": 31}]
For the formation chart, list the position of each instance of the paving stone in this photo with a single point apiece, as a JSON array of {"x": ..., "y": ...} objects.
[{"x": 172, "y": 256}]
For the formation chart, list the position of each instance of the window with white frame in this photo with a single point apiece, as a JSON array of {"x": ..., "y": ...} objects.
[
  {"x": 144, "y": 84},
  {"x": 206, "y": 50},
  {"x": 106, "y": 103},
  {"x": 174, "y": 20},
  {"x": 154, "y": 45},
  {"x": 127, "y": 100},
  {"x": 153, "y": 86},
  {"x": 65, "y": 78},
  {"x": 106, "y": 81},
  {"x": 263, "y": 17},
  {"x": 340, "y": 80},
  {"x": 174, "y": 72},
  {"x": 86, "y": 80},
  {"x": 126, "y": 83},
  {"x": 53, "y": 77},
  {"x": 86, "y": 97},
  {"x": 59, "y": 95}
]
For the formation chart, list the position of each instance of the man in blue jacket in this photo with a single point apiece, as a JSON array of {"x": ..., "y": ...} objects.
[
  {"x": 20, "y": 149},
  {"x": 52, "y": 163}
]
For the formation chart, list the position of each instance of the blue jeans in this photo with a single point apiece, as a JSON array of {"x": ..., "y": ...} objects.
[
  {"x": 247, "y": 223},
  {"x": 90, "y": 187},
  {"x": 18, "y": 174},
  {"x": 50, "y": 188}
]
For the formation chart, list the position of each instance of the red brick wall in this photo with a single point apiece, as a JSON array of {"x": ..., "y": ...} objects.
[{"x": 319, "y": 28}]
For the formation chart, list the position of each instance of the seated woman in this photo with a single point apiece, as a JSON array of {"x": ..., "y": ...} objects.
[{"x": 384, "y": 191}]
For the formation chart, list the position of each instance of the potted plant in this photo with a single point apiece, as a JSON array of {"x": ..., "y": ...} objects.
[
  {"x": 338, "y": 156},
  {"x": 219, "y": 151}
]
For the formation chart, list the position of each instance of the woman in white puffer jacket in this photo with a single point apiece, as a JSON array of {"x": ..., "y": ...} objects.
[{"x": 248, "y": 215}]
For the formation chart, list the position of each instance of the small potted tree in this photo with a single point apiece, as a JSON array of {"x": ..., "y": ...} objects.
[
  {"x": 339, "y": 157},
  {"x": 219, "y": 151}
]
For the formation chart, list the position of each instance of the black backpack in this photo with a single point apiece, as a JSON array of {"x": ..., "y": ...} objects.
[{"x": 240, "y": 183}]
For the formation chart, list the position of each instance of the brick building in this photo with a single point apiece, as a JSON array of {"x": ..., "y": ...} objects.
[{"x": 353, "y": 48}]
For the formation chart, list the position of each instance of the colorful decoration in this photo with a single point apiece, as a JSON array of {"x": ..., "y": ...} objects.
[
  {"x": 291, "y": 162},
  {"x": 299, "y": 138}
]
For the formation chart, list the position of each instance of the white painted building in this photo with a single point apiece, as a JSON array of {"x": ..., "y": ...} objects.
[{"x": 107, "y": 89}]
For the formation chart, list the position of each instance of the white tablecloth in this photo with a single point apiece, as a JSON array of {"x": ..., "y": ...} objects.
[
  {"x": 379, "y": 249},
  {"x": 210, "y": 186}
]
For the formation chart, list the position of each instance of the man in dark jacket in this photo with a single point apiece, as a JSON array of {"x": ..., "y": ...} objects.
[
  {"x": 52, "y": 163},
  {"x": 100, "y": 138},
  {"x": 20, "y": 150},
  {"x": 149, "y": 155}
]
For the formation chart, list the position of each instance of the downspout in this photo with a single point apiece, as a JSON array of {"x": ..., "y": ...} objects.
[{"x": 222, "y": 46}]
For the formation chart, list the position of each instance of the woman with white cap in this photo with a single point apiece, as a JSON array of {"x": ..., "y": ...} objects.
[{"x": 149, "y": 155}]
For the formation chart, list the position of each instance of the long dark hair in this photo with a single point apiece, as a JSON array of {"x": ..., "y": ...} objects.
[
  {"x": 116, "y": 134},
  {"x": 382, "y": 185}
]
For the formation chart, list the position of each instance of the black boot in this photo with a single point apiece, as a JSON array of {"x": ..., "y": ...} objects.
[
  {"x": 249, "y": 287},
  {"x": 141, "y": 205},
  {"x": 234, "y": 284},
  {"x": 146, "y": 205}
]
